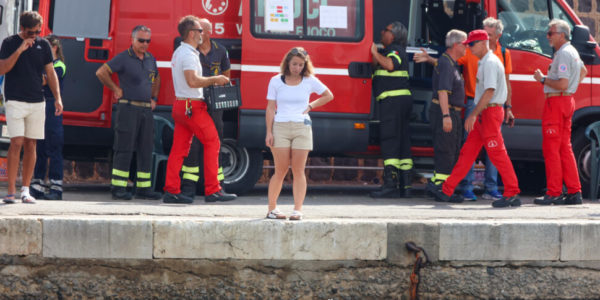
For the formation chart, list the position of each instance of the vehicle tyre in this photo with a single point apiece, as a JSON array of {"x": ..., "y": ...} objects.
[
  {"x": 242, "y": 168},
  {"x": 581, "y": 149}
]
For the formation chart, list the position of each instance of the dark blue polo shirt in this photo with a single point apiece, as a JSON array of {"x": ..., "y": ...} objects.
[
  {"x": 216, "y": 61},
  {"x": 135, "y": 75},
  {"x": 24, "y": 80},
  {"x": 447, "y": 77}
]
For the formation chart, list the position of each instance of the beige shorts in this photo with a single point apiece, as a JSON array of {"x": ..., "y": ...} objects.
[
  {"x": 25, "y": 119},
  {"x": 295, "y": 135}
]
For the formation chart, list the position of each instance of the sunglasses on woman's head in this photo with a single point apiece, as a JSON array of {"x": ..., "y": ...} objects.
[{"x": 296, "y": 51}]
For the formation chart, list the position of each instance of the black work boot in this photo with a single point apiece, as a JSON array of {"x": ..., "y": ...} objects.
[
  {"x": 390, "y": 188},
  {"x": 220, "y": 196},
  {"x": 405, "y": 183},
  {"x": 37, "y": 188},
  {"x": 188, "y": 188},
  {"x": 549, "y": 200},
  {"x": 148, "y": 194},
  {"x": 507, "y": 201},
  {"x": 120, "y": 193},
  {"x": 177, "y": 198},
  {"x": 441, "y": 197},
  {"x": 573, "y": 199}
]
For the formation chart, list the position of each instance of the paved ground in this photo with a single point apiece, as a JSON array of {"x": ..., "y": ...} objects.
[{"x": 321, "y": 203}]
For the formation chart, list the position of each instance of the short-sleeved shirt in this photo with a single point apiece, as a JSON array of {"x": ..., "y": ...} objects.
[
  {"x": 185, "y": 58},
  {"x": 469, "y": 63},
  {"x": 447, "y": 78},
  {"x": 216, "y": 61},
  {"x": 292, "y": 100},
  {"x": 136, "y": 75},
  {"x": 490, "y": 75},
  {"x": 566, "y": 64},
  {"x": 60, "y": 69},
  {"x": 24, "y": 80},
  {"x": 390, "y": 83}
]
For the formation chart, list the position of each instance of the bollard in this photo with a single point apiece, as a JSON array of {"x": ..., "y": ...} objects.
[{"x": 419, "y": 263}]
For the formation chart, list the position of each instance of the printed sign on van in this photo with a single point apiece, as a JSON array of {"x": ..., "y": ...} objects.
[
  {"x": 215, "y": 7},
  {"x": 279, "y": 15}
]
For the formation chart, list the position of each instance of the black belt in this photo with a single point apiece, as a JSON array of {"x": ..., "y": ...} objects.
[{"x": 135, "y": 103}]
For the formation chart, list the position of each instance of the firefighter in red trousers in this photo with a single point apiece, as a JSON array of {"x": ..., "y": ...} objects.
[
  {"x": 483, "y": 125},
  {"x": 191, "y": 117},
  {"x": 564, "y": 75}
]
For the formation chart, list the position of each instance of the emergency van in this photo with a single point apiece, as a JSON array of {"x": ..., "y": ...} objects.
[{"x": 337, "y": 35}]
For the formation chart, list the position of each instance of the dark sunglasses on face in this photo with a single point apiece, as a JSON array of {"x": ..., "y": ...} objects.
[
  {"x": 143, "y": 40},
  {"x": 33, "y": 32},
  {"x": 550, "y": 33},
  {"x": 471, "y": 44},
  {"x": 197, "y": 29},
  {"x": 296, "y": 51}
]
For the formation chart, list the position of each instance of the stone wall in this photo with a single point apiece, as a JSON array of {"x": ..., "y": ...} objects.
[
  {"x": 589, "y": 13},
  {"x": 34, "y": 277}
]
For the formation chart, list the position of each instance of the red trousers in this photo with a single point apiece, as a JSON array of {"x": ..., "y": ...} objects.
[
  {"x": 558, "y": 152},
  {"x": 486, "y": 133},
  {"x": 201, "y": 125}
]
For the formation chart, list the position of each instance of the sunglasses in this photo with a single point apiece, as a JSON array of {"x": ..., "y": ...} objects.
[
  {"x": 33, "y": 32},
  {"x": 197, "y": 29},
  {"x": 471, "y": 44},
  {"x": 550, "y": 33},
  {"x": 143, "y": 40},
  {"x": 296, "y": 51}
]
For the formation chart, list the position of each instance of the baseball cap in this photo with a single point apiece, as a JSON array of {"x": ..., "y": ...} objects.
[{"x": 477, "y": 35}]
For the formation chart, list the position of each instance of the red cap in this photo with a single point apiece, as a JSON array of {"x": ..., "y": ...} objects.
[{"x": 477, "y": 35}]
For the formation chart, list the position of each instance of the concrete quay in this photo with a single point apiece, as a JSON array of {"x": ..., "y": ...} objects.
[{"x": 349, "y": 246}]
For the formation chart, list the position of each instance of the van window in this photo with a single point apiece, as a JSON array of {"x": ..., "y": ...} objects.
[
  {"x": 308, "y": 19},
  {"x": 559, "y": 13},
  {"x": 81, "y": 18},
  {"x": 525, "y": 25}
]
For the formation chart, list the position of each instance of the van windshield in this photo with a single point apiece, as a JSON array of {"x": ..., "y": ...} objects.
[{"x": 526, "y": 24}]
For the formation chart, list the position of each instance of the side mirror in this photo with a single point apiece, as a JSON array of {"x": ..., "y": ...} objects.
[{"x": 580, "y": 39}]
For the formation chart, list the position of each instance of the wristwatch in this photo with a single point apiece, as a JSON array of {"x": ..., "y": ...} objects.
[
  {"x": 543, "y": 80},
  {"x": 446, "y": 116},
  {"x": 153, "y": 99},
  {"x": 507, "y": 106}
]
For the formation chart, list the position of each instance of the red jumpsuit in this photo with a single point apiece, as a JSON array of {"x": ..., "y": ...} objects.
[
  {"x": 201, "y": 125},
  {"x": 486, "y": 133},
  {"x": 556, "y": 146}
]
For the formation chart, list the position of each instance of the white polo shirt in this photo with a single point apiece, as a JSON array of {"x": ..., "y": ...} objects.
[
  {"x": 566, "y": 64},
  {"x": 185, "y": 58},
  {"x": 490, "y": 75}
]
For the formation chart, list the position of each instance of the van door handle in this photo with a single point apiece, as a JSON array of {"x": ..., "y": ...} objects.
[{"x": 360, "y": 69}]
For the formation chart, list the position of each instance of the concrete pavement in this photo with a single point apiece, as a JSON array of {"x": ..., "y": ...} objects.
[{"x": 322, "y": 203}]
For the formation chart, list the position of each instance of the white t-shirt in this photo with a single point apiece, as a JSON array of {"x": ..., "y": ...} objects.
[
  {"x": 292, "y": 100},
  {"x": 184, "y": 58}
]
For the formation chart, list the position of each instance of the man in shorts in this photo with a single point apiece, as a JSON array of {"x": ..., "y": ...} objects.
[{"x": 24, "y": 57}]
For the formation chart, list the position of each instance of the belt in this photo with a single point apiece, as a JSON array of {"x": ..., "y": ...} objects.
[
  {"x": 191, "y": 99},
  {"x": 493, "y": 104},
  {"x": 548, "y": 95},
  {"x": 456, "y": 108},
  {"x": 135, "y": 103}
]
